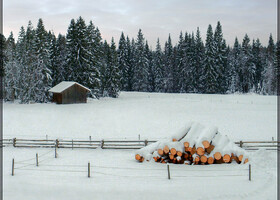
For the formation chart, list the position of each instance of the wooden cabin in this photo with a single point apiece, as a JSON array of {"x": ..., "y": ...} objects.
[{"x": 68, "y": 92}]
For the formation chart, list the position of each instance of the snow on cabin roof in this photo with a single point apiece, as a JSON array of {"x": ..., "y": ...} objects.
[{"x": 64, "y": 85}]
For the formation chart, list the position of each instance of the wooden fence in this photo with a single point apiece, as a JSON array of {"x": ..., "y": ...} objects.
[{"x": 116, "y": 144}]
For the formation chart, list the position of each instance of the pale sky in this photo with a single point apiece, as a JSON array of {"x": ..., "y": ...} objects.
[{"x": 156, "y": 18}]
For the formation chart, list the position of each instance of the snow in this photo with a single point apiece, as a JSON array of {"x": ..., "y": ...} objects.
[
  {"x": 115, "y": 174},
  {"x": 150, "y": 115},
  {"x": 64, "y": 85}
]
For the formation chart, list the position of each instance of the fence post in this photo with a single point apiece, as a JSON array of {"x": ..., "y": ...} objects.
[
  {"x": 250, "y": 172},
  {"x": 241, "y": 143},
  {"x": 14, "y": 142},
  {"x": 55, "y": 152},
  {"x": 72, "y": 144},
  {"x": 102, "y": 144},
  {"x": 168, "y": 171},
  {"x": 13, "y": 167},
  {"x": 139, "y": 137},
  {"x": 37, "y": 160},
  {"x": 46, "y": 137},
  {"x": 56, "y": 143},
  {"x": 88, "y": 169},
  {"x": 146, "y": 142}
]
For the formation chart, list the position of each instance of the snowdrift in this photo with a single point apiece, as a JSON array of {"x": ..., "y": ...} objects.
[{"x": 194, "y": 144}]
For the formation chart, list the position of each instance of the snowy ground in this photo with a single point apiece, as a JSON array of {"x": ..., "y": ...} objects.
[
  {"x": 115, "y": 174},
  {"x": 153, "y": 116}
]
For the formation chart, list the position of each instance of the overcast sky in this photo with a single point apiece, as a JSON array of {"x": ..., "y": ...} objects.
[{"x": 156, "y": 18}]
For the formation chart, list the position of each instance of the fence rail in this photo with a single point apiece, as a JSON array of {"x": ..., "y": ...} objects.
[{"x": 116, "y": 144}]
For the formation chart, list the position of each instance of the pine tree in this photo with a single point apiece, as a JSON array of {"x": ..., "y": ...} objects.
[
  {"x": 220, "y": 51},
  {"x": 114, "y": 72},
  {"x": 234, "y": 68},
  {"x": 270, "y": 72},
  {"x": 258, "y": 62},
  {"x": 199, "y": 58},
  {"x": 210, "y": 71},
  {"x": 122, "y": 61},
  {"x": 247, "y": 66},
  {"x": 11, "y": 68},
  {"x": 168, "y": 66},
  {"x": 140, "y": 79},
  {"x": 157, "y": 67},
  {"x": 42, "y": 81}
]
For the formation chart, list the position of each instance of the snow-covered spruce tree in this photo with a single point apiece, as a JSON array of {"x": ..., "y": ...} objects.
[
  {"x": 140, "y": 78},
  {"x": 158, "y": 68},
  {"x": 58, "y": 59},
  {"x": 270, "y": 72},
  {"x": 72, "y": 51},
  {"x": 114, "y": 72},
  {"x": 234, "y": 68},
  {"x": 151, "y": 72},
  {"x": 192, "y": 85},
  {"x": 82, "y": 61},
  {"x": 198, "y": 62},
  {"x": 259, "y": 62},
  {"x": 130, "y": 55},
  {"x": 180, "y": 62},
  {"x": 220, "y": 51},
  {"x": 248, "y": 68},
  {"x": 27, "y": 54},
  {"x": 93, "y": 59},
  {"x": 168, "y": 66},
  {"x": 42, "y": 79},
  {"x": 210, "y": 74},
  {"x": 11, "y": 69},
  {"x": 122, "y": 61}
]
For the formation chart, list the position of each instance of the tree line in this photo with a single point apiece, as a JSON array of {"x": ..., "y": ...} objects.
[{"x": 39, "y": 60}]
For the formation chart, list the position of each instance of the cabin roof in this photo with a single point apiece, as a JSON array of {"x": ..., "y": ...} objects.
[{"x": 65, "y": 85}]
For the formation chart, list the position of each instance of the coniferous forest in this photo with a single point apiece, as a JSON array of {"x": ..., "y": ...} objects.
[{"x": 38, "y": 60}]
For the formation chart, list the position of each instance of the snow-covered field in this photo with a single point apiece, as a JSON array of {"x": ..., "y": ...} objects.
[
  {"x": 153, "y": 116},
  {"x": 114, "y": 173}
]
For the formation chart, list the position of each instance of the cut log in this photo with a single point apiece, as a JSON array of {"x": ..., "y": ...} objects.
[
  {"x": 166, "y": 149},
  {"x": 186, "y": 144},
  {"x": 173, "y": 151},
  {"x": 246, "y": 160},
  {"x": 206, "y": 144},
  {"x": 160, "y": 152},
  {"x": 171, "y": 156},
  {"x": 142, "y": 159},
  {"x": 210, "y": 160},
  {"x": 226, "y": 158},
  {"x": 185, "y": 156},
  {"x": 200, "y": 151},
  {"x": 219, "y": 161},
  {"x": 203, "y": 159},
  {"x": 174, "y": 140},
  {"x": 217, "y": 156},
  {"x": 240, "y": 158},
  {"x": 210, "y": 149},
  {"x": 137, "y": 157},
  {"x": 179, "y": 153},
  {"x": 235, "y": 158},
  {"x": 193, "y": 150}
]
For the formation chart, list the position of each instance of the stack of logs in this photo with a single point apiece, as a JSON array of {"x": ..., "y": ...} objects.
[{"x": 202, "y": 146}]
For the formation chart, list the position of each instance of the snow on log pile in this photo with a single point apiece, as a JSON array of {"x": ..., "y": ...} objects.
[{"x": 194, "y": 144}]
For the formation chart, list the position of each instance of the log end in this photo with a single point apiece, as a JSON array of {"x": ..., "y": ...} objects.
[
  {"x": 217, "y": 155},
  {"x": 226, "y": 158},
  {"x": 206, "y": 144},
  {"x": 200, "y": 151}
]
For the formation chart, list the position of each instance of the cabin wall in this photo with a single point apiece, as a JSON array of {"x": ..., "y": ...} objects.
[
  {"x": 74, "y": 94},
  {"x": 57, "y": 97}
]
